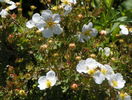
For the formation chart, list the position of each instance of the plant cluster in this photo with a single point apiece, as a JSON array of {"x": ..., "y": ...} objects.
[{"x": 73, "y": 50}]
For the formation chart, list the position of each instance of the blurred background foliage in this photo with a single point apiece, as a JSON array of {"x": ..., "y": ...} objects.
[{"x": 25, "y": 55}]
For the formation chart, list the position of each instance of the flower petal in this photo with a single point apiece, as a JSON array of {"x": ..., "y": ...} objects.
[
  {"x": 4, "y": 13},
  {"x": 50, "y": 74},
  {"x": 107, "y": 51},
  {"x": 36, "y": 18},
  {"x": 42, "y": 79},
  {"x": 94, "y": 32},
  {"x": 56, "y": 18},
  {"x": 82, "y": 67},
  {"x": 46, "y": 14},
  {"x": 99, "y": 77},
  {"x": 30, "y": 24},
  {"x": 47, "y": 33},
  {"x": 124, "y": 31},
  {"x": 57, "y": 29}
]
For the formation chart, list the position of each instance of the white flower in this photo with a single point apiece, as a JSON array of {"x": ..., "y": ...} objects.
[
  {"x": 4, "y": 13},
  {"x": 52, "y": 25},
  {"x": 47, "y": 23},
  {"x": 67, "y": 5},
  {"x": 68, "y": 2},
  {"x": 90, "y": 66},
  {"x": 36, "y": 21},
  {"x": 47, "y": 81},
  {"x": 87, "y": 32},
  {"x": 116, "y": 81},
  {"x": 124, "y": 96},
  {"x": 67, "y": 9},
  {"x": 106, "y": 51},
  {"x": 106, "y": 70},
  {"x": 124, "y": 30},
  {"x": 12, "y": 5}
]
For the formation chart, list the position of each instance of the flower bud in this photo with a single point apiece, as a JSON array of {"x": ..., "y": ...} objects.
[
  {"x": 22, "y": 92},
  {"x": 50, "y": 41},
  {"x": 55, "y": 54},
  {"x": 72, "y": 45},
  {"x": 93, "y": 55},
  {"x": 48, "y": 1},
  {"x": 43, "y": 47},
  {"x": 13, "y": 16},
  {"x": 80, "y": 16},
  {"x": 103, "y": 32},
  {"x": 19, "y": 9},
  {"x": 18, "y": 3},
  {"x": 121, "y": 40},
  {"x": 33, "y": 7},
  {"x": 38, "y": 31},
  {"x": 78, "y": 58},
  {"x": 74, "y": 86}
]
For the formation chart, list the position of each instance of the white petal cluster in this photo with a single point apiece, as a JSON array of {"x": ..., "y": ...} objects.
[
  {"x": 124, "y": 96},
  {"x": 67, "y": 5},
  {"x": 47, "y": 23},
  {"x": 100, "y": 72},
  {"x": 105, "y": 51},
  {"x": 87, "y": 32},
  {"x": 116, "y": 81},
  {"x": 124, "y": 30},
  {"x": 5, "y": 11},
  {"x": 47, "y": 81}
]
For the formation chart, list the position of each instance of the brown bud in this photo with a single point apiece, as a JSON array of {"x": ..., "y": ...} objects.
[
  {"x": 80, "y": 16},
  {"x": 50, "y": 41},
  {"x": 103, "y": 32},
  {"x": 18, "y": 3},
  {"x": 55, "y": 54},
  {"x": 74, "y": 86},
  {"x": 19, "y": 9},
  {"x": 13, "y": 16},
  {"x": 72, "y": 45},
  {"x": 43, "y": 47},
  {"x": 38, "y": 31},
  {"x": 93, "y": 55},
  {"x": 33, "y": 7},
  {"x": 78, "y": 58},
  {"x": 121, "y": 40},
  {"x": 48, "y": 1}
]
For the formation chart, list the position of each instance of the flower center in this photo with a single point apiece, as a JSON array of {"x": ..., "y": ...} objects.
[
  {"x": 87, "y": 32},
  {"x": 115, "y": 83},
  {"x": 91, "y": 71},
  {"x": 50, "y": 24},
  {"x": 122, "y": 95},
  {"x": 104, "y": 71},
  {"x": 48, "y": 83},
  {"x": 65, "y": 2}
]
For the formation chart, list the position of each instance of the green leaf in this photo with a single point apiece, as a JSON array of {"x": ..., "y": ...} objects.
[{"x": 108, "y": 3}]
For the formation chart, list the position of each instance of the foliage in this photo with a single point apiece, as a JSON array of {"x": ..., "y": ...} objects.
[{"x": 25, "y": 54}]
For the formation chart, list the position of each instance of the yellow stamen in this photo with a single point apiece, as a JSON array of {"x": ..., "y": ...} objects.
[
  {"x": 91, "y": 71},
  {"x": 87, "y": 32},
  {"x": 115, "y": 83},
  {"x": 123, "y": 95},
  {"x": 104, "y": 71},
  {"x": 65, "y": 2},
  {"x": 48, "y": 83}
]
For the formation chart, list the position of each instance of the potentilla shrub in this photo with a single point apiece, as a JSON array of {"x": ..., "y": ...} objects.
[{"x": 73, "y": 50}]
